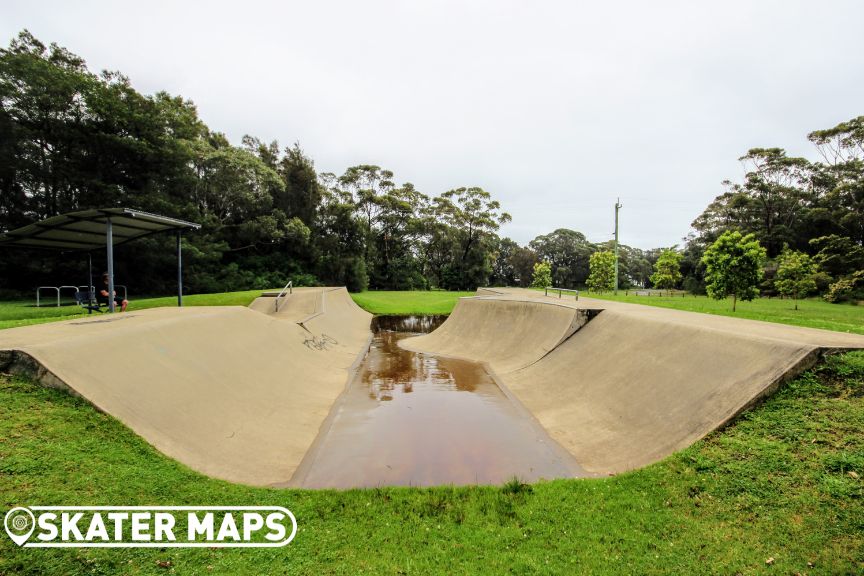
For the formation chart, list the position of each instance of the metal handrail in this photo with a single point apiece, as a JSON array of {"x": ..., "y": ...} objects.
[
  {"x": 75, "y": 288},
  {"x": 289, "y": 287},
  {"x": 39, "y": 290},
  {"x": 560, "y": 290},
  {"x": 78, "y": 290}
]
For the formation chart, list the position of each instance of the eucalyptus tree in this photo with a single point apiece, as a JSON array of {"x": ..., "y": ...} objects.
[
  {"x": 367, "y": 183},
  {"x": 44, "y": 93},
  {"x": 567, "y": 252},
  {"x": 473, "y": 218},
  {"x": 772, "y": 202},
  {"x": 302, "y": 194},
  {"x": 522, "y": 260},
  {"x": 339, "y": 238},
  {"x": 399, "y": 225},
  {"x": 503, "y": 271},
  {"x": 842, "y": 148},
  {"x": 435, "y": 246}
]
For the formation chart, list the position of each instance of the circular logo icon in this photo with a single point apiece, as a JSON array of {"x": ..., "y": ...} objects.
[{"x": 19, "y": 524}]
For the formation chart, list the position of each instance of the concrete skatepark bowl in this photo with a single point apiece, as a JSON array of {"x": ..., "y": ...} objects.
[
  {"x": 414, "y": 419},
  {"x": 523, "y": 385}
]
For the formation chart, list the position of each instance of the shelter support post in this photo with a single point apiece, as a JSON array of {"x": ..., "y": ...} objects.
[
  {"x": 179, "y": 269},
  {"x": 109, "y": 240},
  {"x": 90, "y": 287}
]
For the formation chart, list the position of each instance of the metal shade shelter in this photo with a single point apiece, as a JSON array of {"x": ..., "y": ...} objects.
[{"x": 87, "y": 230}]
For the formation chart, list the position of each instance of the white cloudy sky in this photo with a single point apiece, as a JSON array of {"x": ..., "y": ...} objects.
[{"x": 557, "y": 108}]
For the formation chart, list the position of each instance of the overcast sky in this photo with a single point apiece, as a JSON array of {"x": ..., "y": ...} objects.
[{"x": 557, "y": 108}]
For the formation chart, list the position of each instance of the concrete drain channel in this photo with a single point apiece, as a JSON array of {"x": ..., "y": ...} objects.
[{"x": 415, "y": 419}]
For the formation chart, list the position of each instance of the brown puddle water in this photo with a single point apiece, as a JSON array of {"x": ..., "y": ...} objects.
[{"x": 412, "y": 419}]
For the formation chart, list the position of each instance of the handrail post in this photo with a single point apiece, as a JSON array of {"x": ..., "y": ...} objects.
[
  {"x": 561, "y": 291},
  {"x": 289, "y": 287}
]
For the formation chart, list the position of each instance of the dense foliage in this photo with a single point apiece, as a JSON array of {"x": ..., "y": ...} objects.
[
  {"x": 71, "y": 139},
  {"x": 542, "y": 277},
  {"x": 814, "y": 207},
  {"x": 667, "y": 270},
  {"x": 796, "y": 274},
  {"x": 602, "y": 276}
]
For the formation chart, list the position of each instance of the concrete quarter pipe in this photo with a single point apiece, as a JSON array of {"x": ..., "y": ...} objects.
[{"x": 635, "y": 383}]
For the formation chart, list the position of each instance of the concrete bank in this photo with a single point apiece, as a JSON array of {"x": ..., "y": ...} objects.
[
  {"x": 633, "y": 384},
  {"x": 232, "y": 392}
]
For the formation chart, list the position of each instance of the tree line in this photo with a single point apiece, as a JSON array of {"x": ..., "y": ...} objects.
[
  {"x": 803, "y": 212},
  {"x": 73, "y": 139}
]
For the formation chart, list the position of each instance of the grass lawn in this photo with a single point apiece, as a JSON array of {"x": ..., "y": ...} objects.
[
  {"x": 416, "y": 302},
  {"x": 813, "y": 313},
  {"x": 24, "y": 312},
  {"x": 782, "y": 483}
]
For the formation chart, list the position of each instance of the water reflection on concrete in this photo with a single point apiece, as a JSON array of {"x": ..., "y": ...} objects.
[{"x": 416, "y": 419}]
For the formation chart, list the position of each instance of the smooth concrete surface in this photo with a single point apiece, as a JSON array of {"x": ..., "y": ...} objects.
[
  {"x": 229, "y": 391},
  {"x": 300, "y": 304},
  {"x": 508, "y": 334},
  {"x": 635, "y": 383},
  {"x": 242, "y": 393}
]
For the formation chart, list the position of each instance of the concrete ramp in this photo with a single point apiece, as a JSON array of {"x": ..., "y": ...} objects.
[
  {"x": 329, "y": 316},
  {"x": 242, "y": 393},
  {"x": 635, "y": 383},
  {"x": 296, "y": 306},
  {"x": 228, "y": 391},
  {"x": 507, "y": 334}
]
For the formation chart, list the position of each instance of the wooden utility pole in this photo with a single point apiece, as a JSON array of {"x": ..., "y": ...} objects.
[{"x": 617, "y": 208}]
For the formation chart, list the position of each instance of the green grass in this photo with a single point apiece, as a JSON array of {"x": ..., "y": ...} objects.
[
  {"x": 812, "y": 313},
  {"x": 778, "y": 483},
  {"x": 24, "y": 312},
  {"x": 417, "y": 302}
]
